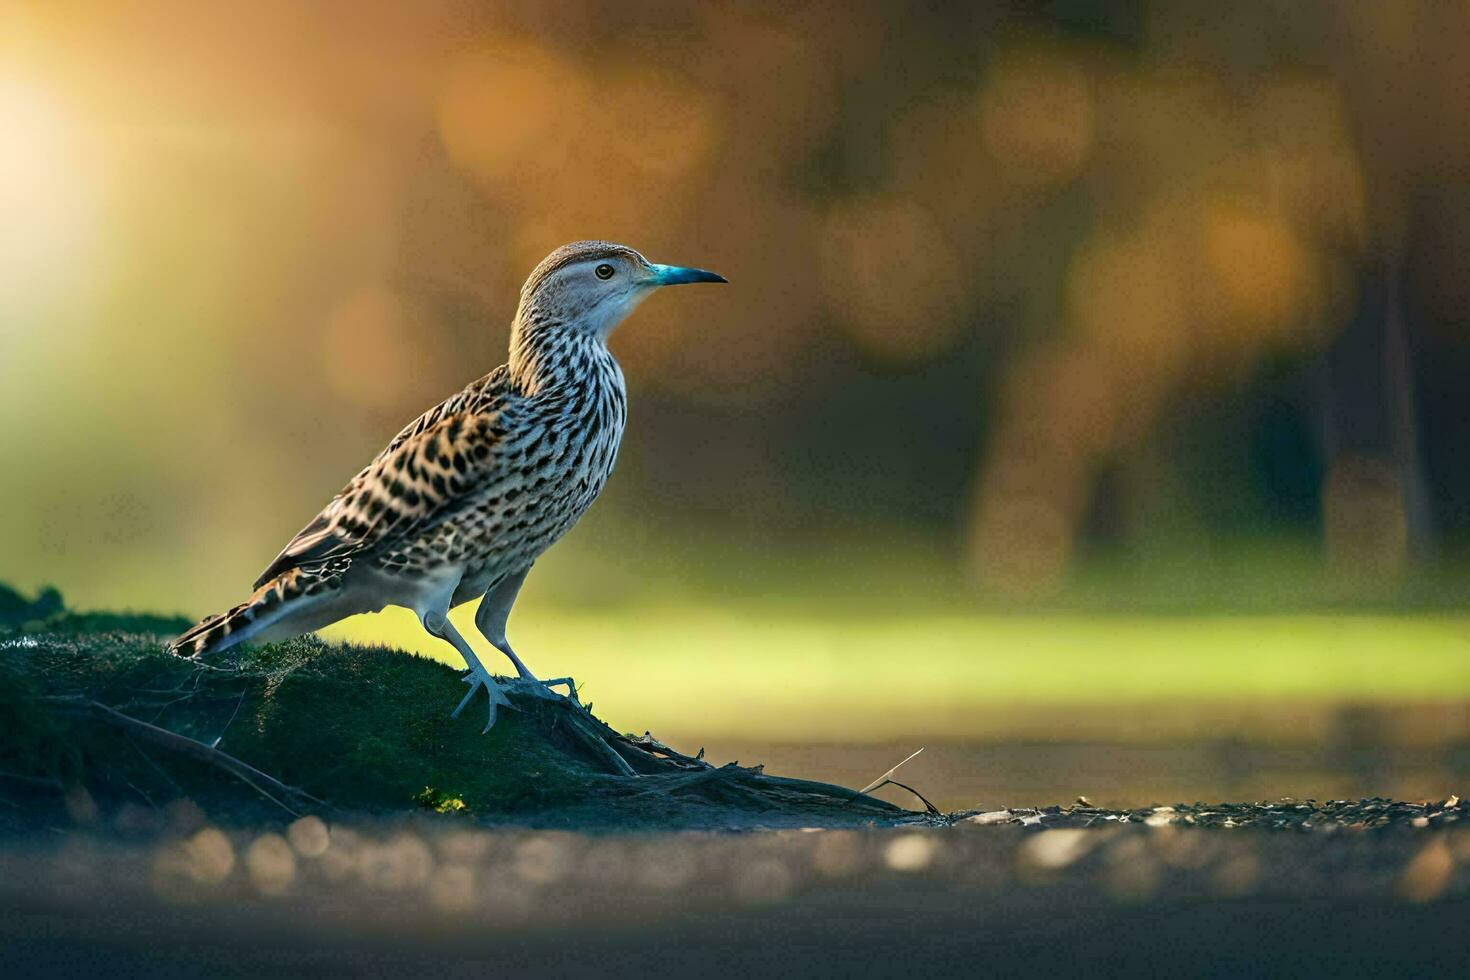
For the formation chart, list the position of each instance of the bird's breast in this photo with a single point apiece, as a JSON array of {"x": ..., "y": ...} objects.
[{"x": 555, "y": 480}]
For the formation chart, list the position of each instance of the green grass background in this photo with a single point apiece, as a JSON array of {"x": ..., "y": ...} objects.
[{"x": 850, "y": 675}]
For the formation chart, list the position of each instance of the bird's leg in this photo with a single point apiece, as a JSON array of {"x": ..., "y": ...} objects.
[
  {"x": 438, "y": 624},
  {"x": 490, "y": 620}
]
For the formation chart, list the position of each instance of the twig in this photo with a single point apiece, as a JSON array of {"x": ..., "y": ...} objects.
[
  {"x": 933, "y": 810},
  {"x": 220, "y": 737},
  {"x": 674, "y": 784},
  {"x": 201, "y": 665},
  {"x": 132, "y": 785},
  {"x": 581, "y": 728},
  {"x": 155, "y": 766},
  {"x": 653, "y": 746},
  {"x": 32, "y": 780},
  {"x": 599, "y": 746},
  {"x": 888, "y": 776},
  {"x": 193, "y": 749},
  {"x": 930, "y": 808}
]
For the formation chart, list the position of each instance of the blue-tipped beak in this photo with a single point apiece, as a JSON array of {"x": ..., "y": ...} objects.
[{"x": 674, "y": 275}]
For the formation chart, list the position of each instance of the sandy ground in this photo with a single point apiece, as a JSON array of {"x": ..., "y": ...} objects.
[{"x": 1369, "y": 888}]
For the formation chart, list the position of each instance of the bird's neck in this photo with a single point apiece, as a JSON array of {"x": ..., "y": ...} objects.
[{"x": 548, "y": 356}]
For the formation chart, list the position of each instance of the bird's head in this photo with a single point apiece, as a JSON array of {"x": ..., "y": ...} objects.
[{"x": 593, "y": 286}]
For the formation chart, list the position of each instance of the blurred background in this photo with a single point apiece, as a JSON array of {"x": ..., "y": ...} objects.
[{"x": 1088, "y": 403}]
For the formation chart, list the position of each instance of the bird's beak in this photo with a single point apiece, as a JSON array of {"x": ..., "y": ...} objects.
[{"x": 674, "y": 275}]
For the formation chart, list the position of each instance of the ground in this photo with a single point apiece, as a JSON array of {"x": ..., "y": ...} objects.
[{"x": 441, "y": 894}]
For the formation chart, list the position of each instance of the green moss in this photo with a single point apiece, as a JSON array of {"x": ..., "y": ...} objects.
[
  {"x": 439, "y": 801},
  {"x": 365, "y": 728},
  {"x": 368, "y": 727}
]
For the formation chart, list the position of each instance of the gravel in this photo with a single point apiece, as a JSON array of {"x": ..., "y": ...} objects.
[
  {"x": 1285, "y": 814},
  {"x": 1287, "y": 886}
]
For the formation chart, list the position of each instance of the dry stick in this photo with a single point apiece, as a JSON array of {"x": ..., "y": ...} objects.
[
  {"x": 647, "y": 750},
  {"x": 689, "y": 772},
  {"x": 182, "y": 744},
  {"x": 156, "y": 768},
  {"x": 933, "y": 810},
  {"x": 888, "y": 776},
  {"x": 638, "y": 755},
  {"x": 682, "y": 781},
  {"x": 604, "y": 752},
  {"x": 588, "y": 736},
  {"x": 617, "y": 747},
  {"x": 648, "y": 744}
]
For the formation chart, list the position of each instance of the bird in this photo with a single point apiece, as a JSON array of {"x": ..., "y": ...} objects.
[{"x": 467, "y": 496}]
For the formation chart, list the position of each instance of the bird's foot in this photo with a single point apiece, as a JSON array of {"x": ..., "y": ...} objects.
[{"x": 494, "y": 688}]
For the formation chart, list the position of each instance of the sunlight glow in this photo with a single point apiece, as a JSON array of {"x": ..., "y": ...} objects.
[{"x": 43, "y": 195}]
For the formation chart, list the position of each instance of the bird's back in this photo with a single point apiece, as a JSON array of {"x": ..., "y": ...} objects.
[
  {"x": 484, "y": 481},
  {"x": 411, "y": 485},
  {"x": 474, "y": 489}
]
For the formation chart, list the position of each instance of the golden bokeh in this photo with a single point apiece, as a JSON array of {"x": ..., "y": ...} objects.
[
  {"x": 369, "y": 352},
  {"x": 506, "y": 104},
  {"x": 891, "y": 276},
  {"x": 288, "y": 232},
  {"x": 1037, "y": 115}
]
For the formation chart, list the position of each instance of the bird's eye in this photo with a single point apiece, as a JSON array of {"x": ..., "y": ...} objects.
[{"x": 604, "y": 271}]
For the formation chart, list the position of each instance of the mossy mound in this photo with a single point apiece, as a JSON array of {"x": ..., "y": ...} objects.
[{"x": 307, "y": 725}]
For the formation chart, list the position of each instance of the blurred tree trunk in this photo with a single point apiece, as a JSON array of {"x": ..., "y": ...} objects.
[
  {"x": 1375, "y": 508},
  {"x": 1375, "y": 504}
]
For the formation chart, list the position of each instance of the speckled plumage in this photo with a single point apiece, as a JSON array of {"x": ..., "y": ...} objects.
[{"x": 468, "y": 495}]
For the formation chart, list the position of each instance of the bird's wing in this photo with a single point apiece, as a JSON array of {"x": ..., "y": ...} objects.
[{"x": 443, "y": 456}]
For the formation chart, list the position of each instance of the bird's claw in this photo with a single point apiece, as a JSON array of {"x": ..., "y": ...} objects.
[
  {"x": 496, "y": 689},
  {"x": 477, "y": 679}
]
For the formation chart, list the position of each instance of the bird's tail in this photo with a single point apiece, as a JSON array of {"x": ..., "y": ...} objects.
[{"x": 266, "y": 606}]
